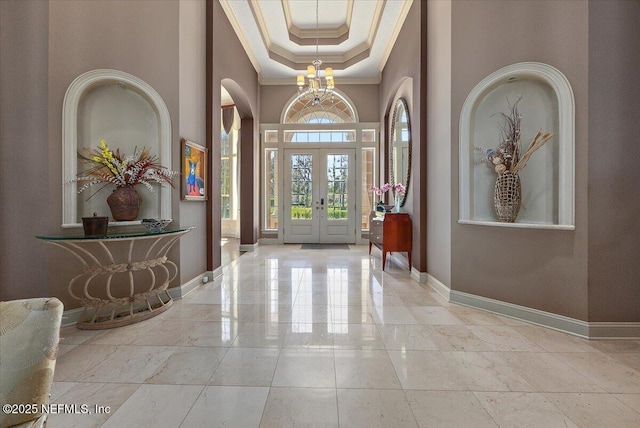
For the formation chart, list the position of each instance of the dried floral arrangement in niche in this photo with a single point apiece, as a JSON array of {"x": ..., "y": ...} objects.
[{"x": 508, "y": 160}]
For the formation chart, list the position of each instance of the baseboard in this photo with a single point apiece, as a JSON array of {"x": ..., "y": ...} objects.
[
  {"x": 614, "y": 330},
  {"x": 269, "y": 241},
  {"x": 177, "y": 293},
  {"x": 438, "y": 286},
  {"x": 421, "y": 277},
  {"x": 584, "y": 329},
  {"x": 248, "y": 247},
  {"x": 71, "y": 316},
  {"x": 523, "y": 313}
]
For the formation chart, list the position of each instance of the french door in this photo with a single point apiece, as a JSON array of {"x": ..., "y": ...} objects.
[{"x": 319, "y": 201}]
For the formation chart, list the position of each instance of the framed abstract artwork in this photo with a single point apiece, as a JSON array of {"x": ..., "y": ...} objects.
[{"x": 194, "y": 171}]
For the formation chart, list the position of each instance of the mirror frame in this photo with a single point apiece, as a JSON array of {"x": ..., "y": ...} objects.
[{"x": 392, "y": 178}]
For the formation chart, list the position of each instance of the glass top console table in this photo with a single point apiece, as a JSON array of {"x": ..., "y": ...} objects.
[{"x": 125, "y": 274}]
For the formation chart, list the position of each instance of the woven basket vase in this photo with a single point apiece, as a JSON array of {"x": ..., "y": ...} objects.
[
  {"x": 507, "y": 197},
  {"x": 124, "y": 203}
]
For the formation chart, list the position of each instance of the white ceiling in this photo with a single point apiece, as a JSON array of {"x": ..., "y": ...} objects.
[{"x": 354, "y": 37}]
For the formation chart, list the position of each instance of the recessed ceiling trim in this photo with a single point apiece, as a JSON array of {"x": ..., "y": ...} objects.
[
  {"x": 328, "y": 36},
  {"x": 261, "y": 23},
  {"x": 338, "y": 62},
  {"x": 394, "y": 36},
  {"x": 324, "y": 38},
  {"x": 237, "y": 28},
  {"x": 343, "y": 81}
]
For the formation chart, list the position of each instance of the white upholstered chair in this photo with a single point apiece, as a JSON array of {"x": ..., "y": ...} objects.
[{"x": 29, "y": 336}]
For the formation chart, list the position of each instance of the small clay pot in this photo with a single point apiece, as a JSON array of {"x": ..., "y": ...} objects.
[{"x": 95, "y": 225}]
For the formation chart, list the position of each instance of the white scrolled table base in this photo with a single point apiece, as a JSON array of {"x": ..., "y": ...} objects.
[{"x": 139, "y": 304}]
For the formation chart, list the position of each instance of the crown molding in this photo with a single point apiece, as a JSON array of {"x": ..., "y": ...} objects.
[
  {"x": 396, "y": 31},
  {"x": 237, "y": 28},
  {"x": 328, "y": 36},
  {"x": 343, "y": 81}
]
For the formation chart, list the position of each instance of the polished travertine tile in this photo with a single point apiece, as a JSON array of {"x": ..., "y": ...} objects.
[
  {"x": 428, "y": 370},
  {"x": 458, "y": 338},
  {"x": 110, "y": 363},
  {"x": 227, "y": 406},
  {"x": 546, "y": 373},
  {"x": 59, "y": 388},
  {"x": 631, "y": 400},
  {"x": 365, "y": 369},
  {"x": 260, "y": 335},
  {"x": 188, "y": 366},
  {"x": 246, "y": 367},
  {"x": 488, "y": 371},
  {"x": 448, "y": 409},
  {"x": 305, "y": 368},
  {"x": 104, "y": 395},
  {"x": 595, "y": 410},
  {"x": 155, "y": 406},
  {"x": 522, "y": 409},
  {"x": 434, "y": 315},
  {"x": 604, "y": 371},
  {"x": 324, "y": 338},
  {"x": 356, "y": 336},
  {"x": 374, "y": 408},
  {"x": 504, "y": 338},
  {"x": 300, "y": 407},
  {"x": 554, "y": 341},
  {"x": 409, "y": 337}
]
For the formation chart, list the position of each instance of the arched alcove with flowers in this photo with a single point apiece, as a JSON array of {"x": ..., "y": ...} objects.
[{"x": 129, "y": 115}]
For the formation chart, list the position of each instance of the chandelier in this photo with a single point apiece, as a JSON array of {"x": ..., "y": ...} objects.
[{"x": 312, "y": 84}]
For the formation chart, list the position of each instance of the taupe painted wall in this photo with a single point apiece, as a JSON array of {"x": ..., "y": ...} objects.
[
  {"x": 24, "y": 152},
  {"x": 274, "y": 98},
  {"x": 614, "y": 150},
  {"x": 140, "y": 38},
  {"x": 542, "y": 269},
  {"x": 439, "y": 141},
  {"x": 233, "y": 69},
  {"x": 192, "y": 117},
  {"x": 404, "y": 63},
  {"x": 161, "y": 42}
]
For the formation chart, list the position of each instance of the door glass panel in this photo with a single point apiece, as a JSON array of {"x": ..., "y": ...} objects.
[
  {"x": 368, "y": 180},
  {"x": 272, "y": 184},
  {"x": 337, "y": 190},
  {"x": 301, "y": 186}
]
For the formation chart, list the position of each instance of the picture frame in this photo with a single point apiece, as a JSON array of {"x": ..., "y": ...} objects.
[{"x": 194, "y": 168}]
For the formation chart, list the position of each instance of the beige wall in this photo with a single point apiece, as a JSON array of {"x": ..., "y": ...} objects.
[
  {"x": 24, "y": 192},
  {"x": 614, "y": 150},
  {"x": 541, "y": 269}
]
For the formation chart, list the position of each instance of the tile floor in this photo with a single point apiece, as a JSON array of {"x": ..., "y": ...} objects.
[{"x": 325, "y": 338}]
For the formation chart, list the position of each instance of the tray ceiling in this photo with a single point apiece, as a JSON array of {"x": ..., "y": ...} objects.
[{"x": 354, "y": 37}]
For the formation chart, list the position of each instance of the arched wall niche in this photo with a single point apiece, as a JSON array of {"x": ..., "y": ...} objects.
[
  {"x": 547, "y": 103},
  {"x": 127, "y": 113}
]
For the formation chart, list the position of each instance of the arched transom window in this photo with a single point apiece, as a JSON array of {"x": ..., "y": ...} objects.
[{"x": 334, "y": 109}]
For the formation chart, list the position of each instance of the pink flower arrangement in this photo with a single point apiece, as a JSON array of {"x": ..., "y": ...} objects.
[
  {"x": 380, "y": 190},
  {"x": 398, "y": 188}
]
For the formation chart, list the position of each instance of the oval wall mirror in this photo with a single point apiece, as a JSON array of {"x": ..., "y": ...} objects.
[{"x": 400, "y": 146}]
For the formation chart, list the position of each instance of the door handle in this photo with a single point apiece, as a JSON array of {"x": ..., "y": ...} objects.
[{"x": 321, "y": 201}]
